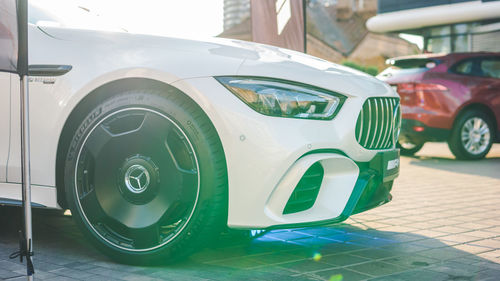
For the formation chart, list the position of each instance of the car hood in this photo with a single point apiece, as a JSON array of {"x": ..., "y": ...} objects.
[{"x": 185, "y": 58}]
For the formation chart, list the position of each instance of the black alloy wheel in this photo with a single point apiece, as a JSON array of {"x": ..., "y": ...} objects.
[{"x": 146, "y": 177}]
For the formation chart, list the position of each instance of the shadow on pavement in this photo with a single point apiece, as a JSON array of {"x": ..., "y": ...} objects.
[
  {"x": 488, "y": 167},
  {"x": 340, "y": 252}
]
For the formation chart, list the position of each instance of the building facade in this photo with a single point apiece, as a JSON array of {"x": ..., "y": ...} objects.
[
  {"x": 235, "y": 12},
  {"x": 445, "y": 25},
  {"x": 336, "y": 32}
]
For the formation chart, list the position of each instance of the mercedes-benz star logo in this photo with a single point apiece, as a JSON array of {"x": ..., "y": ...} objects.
[{"x": 137, "y": 178}]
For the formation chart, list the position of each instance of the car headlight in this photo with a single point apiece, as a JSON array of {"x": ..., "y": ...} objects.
[{"x": 281, "y": 98}]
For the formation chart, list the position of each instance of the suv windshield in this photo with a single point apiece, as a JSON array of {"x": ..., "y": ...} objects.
[
  {"x": 413, "y": 63},
  {"x": 66, "y": 13},
  {"x": 408, "y": 66}
]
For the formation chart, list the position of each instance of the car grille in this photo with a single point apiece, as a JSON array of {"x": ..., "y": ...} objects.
[
  {"x": 378, "y": 123},
  {"x": 305, "y": 193}
]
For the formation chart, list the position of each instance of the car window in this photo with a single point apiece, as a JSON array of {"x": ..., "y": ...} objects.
[
  {"x": 407, "y": 66},
  {"x": 413, "y": 63},
  {"x": 464, "y": 67},
  {"x": 490, "y": 67}
]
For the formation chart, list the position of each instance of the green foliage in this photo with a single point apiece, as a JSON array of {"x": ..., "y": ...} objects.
[{"x": 372, "y": 70}]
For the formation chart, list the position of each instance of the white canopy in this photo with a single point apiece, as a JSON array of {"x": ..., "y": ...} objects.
[{"x": 435, "y": 15}]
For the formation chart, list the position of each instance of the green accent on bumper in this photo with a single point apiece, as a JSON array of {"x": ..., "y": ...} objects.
[{"x": 372, "y": 189}]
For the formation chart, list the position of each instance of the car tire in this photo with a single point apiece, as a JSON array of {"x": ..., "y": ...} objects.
[
  {"x": 408, "y": 148},
  {"x": 145, "y": 177},
  {"x": 472, "y": 135}
]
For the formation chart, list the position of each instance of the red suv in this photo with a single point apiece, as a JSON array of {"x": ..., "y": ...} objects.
[{"x": 453, "y": 98}]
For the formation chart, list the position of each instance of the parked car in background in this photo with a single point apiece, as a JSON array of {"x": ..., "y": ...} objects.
[{"x": 453, "y": 98}]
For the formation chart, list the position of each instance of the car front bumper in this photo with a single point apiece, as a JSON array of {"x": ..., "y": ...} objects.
[
  {"x": 371, "y": 189},
  {"x": 268, "y": 156}
]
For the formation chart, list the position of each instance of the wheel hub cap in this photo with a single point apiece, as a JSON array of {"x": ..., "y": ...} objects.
[
  {"x": 137, "y": 178},
  {"x": 475, "y": 135}
]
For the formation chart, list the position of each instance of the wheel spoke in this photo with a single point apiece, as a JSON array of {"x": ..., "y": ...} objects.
[
  {"x": 180, "y": 164},
  {"x": 468, "y": 144},
  {"x": 153, "y": 124},
  {"x": 91, "y": 207},
  {"x": 477, "y": 123},
  {"x": 99, "y": 137},
  {"x": 465, "y": 135},
  {"x": 484, "y": 129},
  {"x": 475, "y": 146},
  {"x": 468, "y": 125},
  {"x": 145, "y": 237}
]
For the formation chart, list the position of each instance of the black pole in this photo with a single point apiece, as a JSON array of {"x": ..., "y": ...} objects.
[
  {"x": 22, "y": 30},
  {"x": 22, "y": 68},
  {"x": 304, "y": 15}
]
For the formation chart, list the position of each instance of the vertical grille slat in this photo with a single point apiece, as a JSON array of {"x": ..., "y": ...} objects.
[
  {"x": 360, "y": 131},
  {"x": 376, "y": 121},
  {"x": 369, "y": 116},
  {"x": 374, "y": 127},
  {"x": 383, "y": 125},
  {"x": 387, "y": 132},
  {"x": 394, "y": 102},
  {"x": 388, "y": 117}
]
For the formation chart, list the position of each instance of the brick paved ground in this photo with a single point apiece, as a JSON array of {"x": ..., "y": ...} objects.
[{"x": 443, "y": 224}]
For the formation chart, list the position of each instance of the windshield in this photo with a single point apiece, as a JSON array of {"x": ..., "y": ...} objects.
[
  {"x": 414, "y": 63},
  {"x": 66, "y": 13},
  {"x": 407, "y": 66}
]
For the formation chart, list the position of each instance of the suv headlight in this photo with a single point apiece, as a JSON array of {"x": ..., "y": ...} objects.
[{"x": 281, "y": 98}]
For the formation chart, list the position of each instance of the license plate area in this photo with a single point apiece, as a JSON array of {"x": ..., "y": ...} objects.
[{"x": 390, "y": 164}]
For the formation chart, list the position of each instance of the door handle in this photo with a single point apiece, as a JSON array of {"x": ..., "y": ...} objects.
[{"x": 48, "y": 69}]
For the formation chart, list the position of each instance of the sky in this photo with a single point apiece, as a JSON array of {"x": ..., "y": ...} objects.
[{"x": 178, "y": 18}]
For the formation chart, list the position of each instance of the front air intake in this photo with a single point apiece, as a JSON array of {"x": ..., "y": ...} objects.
[
  {"x": 305, "y": 193},
  {"x": 378, "y": 123}
]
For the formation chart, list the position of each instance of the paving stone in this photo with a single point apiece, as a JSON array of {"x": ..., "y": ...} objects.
[
  {"x": 340, "y": 274},
  {"x": 343, "y": 259},
  {"x": 411, "y": 261},
  {"x": 490, "y": 243},
  {"x": 429, "y": 243},
  {"x": 375, "y": 253},
  {"x": 461, "y": 238},
  {"x": 305, "y": 266},
  {"x": 377, "y": 268},
  {"x": 7, "y": 274},
  {"x": 288, "y": 235},
  {"x": 419, "y": 274},
  {"x": 404, "y": 248},
  {"x": 340, "y": 248}
]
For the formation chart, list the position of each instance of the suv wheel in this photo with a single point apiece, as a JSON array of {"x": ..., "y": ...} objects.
[
  {"x": 409, "y": 148},
  {"x": 472, "y": 135}
]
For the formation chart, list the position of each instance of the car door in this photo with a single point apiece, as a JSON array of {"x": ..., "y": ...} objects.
[
  {"x": 489, "y": 87},
  {"x": 4, "y": 123}
]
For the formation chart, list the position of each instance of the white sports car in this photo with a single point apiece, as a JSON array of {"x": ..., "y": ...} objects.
[{"x": 156, "y": 144}]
